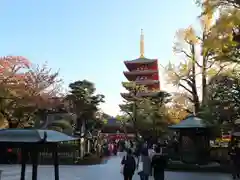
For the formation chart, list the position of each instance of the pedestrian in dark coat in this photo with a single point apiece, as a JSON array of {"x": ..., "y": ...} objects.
[
  {"x": 159, "y": 163},
  {"x": 234, "y": 153},
  {"x": 129, "y": 165}
]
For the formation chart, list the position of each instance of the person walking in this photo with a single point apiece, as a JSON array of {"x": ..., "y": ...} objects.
[
  {"x": 128, "y": 165},
  {"x": 146, "y": 165},
  {"x": 151, "y": 151},
  {"x": 115, "y": 148},
  {"x": 158, "y": 164},
  {"x": 235, "y": 159}
]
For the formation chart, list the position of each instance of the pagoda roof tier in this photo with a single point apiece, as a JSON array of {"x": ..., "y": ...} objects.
[
  {"x": 141, "y": 83},
  {"x": 147, "y": 82},
  {"x": 141, "y": 60},
  {"x": 128, "y": 96},
  {"x": 138, "y": 72},
  {"x": 148, "y": 94}
]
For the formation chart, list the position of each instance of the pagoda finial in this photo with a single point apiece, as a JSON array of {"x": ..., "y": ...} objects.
[{"x": 142, "y": 44}]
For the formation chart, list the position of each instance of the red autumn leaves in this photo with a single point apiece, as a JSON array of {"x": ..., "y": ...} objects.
[{"x": 22, "y": 81}]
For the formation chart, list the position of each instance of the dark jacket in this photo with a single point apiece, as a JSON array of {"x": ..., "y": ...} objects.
[
  {"x": 235, "y": 155},
  {"x": 129, "y": 164},
  {"x": 159, "y": 163}
]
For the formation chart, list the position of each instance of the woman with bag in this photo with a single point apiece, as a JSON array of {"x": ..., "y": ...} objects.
[
  {"x": 144, "y": 166},
  {"x": 128, "y": 165},
  {"x": 140, "y": 169}
]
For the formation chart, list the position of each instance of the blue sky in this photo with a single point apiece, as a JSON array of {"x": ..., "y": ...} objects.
[{"x": 90, "y": 39}]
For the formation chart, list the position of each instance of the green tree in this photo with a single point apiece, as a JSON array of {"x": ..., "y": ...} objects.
[
  {"x": 223, "y": 99},
  {"x": 155, "y": 111},
  {"x": 203, "y": 56},
  {"x": 61, "y": 121},
  {"x": 215, "y": 4},
  {"x": 84, "y": 103},
  {"x": 223, "y": 43},
  {"x": 225, "y": 31},
  {"x": 125, "y": 122},
  {"x": 146, "y": 113}
]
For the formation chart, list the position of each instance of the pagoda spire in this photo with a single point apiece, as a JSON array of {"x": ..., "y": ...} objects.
[{"x": 142, "y": 44}]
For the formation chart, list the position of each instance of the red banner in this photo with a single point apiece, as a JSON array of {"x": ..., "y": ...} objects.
[{"x": 118, "y": 136}]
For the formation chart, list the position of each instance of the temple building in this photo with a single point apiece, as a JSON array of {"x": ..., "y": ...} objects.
[
  {"x": 142, "y": 71},
  {"x": 114, "y": 130}
]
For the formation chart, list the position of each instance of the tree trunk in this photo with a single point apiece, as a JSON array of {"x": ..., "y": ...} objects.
[
  {"x": 134, "y": 118},
  {"x": 194, "y": 86},
  {"x": 204, "y": 81},
  {"x": 204, "y": 76},
  {"x": 11, "y": 124}
]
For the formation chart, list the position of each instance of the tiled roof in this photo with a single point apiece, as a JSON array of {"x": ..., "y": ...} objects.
[
  {"x": 145, "y": 82},
  {"x": 140, "y": 72},
  {"x": 32, "y": 136},
  {"x": 141, "y": 94},
  {"x": 140, "y": 60},
  {"x": 191, "y": 122}
]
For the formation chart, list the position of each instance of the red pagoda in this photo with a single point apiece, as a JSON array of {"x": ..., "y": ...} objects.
[{"x": 143, "y": 71}]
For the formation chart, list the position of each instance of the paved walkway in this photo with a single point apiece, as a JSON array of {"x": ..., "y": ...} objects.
[{"x": 108, "y": 171}]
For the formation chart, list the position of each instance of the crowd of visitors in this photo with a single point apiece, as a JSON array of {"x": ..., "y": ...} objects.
[{"x": 147, "y": 160}]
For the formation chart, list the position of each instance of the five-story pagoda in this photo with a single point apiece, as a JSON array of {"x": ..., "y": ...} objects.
[{"x": 142, "y": 71}]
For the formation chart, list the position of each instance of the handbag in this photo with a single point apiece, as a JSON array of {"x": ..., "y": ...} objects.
[
  {"x": 122, "y": 167},
  {"x": 140, "y": 167}
]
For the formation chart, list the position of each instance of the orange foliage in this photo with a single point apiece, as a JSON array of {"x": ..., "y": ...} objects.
[
  {"x": 33, "y": 86},
  {"x": 177, "y": 114}
]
